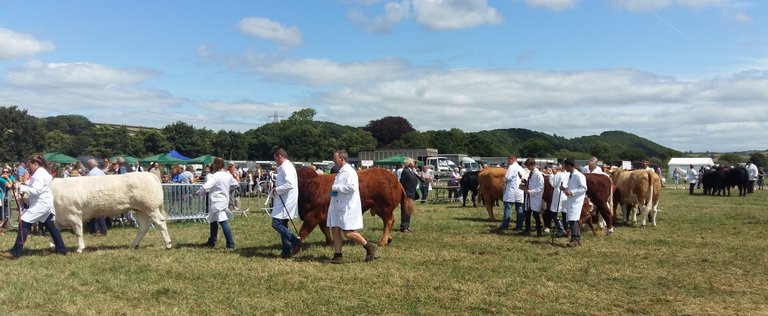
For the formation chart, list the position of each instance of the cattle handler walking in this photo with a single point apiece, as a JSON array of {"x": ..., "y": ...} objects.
[
  {"x": 576, "y": 190},
  {"x": 345, "y": 212},
  {"x": 40, "y": 208},
  {"x": 286, "y": 203}
]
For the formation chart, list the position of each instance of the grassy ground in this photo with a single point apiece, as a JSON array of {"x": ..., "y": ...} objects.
[{"x": 707, "y": 256}]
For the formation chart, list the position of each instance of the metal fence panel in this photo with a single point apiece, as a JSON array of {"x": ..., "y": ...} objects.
[{"x": 180, "y": 203}]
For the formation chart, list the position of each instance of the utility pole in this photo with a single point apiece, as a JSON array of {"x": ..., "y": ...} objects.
[{"x": 275, "y": 117}]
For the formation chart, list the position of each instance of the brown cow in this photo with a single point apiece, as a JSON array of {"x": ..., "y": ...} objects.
[
  {"x": 491, "y": 182},
  {"x": 638, "y": 188},
  {"x": 599, "y": 191},
  {"x": 380, "y": 192}
]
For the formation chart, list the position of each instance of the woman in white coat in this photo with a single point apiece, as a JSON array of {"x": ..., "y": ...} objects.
[
  {"x": 576, "y": 190},
  {"x": 218, "y": 184},
  {"x": 40, "y": 208},
  {"x": 345, "y": 212}
]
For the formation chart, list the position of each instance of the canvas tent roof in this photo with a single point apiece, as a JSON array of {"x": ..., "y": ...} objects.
[{"x": 691, "y": 161}]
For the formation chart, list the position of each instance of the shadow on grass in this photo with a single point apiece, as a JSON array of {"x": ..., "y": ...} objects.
[{"x": 475, "y": 219}]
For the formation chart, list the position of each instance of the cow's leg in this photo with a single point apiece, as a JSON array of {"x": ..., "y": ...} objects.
[
  {"x": 489, "y": 209},
  {"x": 159, "y": 221},
  {"x": 474, "y": 198},
  {"x": 388, "y": 221},
  {"x": 625, "y": 211},
  {"x": 77, "y": 228},
  {"x": 144, "y": 222}
]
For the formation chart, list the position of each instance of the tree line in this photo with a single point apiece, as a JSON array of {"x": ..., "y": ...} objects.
[{"x": 305, "y": 138}]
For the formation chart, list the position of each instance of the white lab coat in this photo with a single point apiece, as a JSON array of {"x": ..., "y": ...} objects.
[
  {"x": 217, "y": 185},
  {"x": 751, "y": 172},
  {"x": 535, "y": 189},
  {"x": 586, "y": 170},
  {"x": 40, "y": 197},
  {"x": 512, "y": 192},
  {"x": 345, "y": 210},
  {"x": 558, "y": 197},
  {"x": 692, "y": 175},
  {"x": 286, "y": 204},
  {"x": 577, "y": 185}
]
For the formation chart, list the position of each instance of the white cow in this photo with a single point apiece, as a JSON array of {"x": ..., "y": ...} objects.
[{"x": 79, "y": 199}]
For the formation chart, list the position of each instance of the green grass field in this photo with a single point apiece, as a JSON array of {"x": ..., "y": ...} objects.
[{"x": 708, "y": 255}]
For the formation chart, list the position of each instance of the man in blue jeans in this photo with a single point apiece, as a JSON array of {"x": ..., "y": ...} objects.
[
  {"x": 513, "y": 195},
  {"x": 286, "y": 203}
]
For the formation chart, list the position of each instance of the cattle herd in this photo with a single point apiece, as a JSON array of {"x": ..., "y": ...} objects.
[{"x": 638, "y": 192}]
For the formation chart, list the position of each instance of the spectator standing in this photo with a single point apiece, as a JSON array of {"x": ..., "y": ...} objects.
[
  {"x": 345, "y": 212},
  {"x": 751, "y": 176},
  {"x": 453, "y": 181},
  {"x": 218, "y": 184},
  {"x": 121, "y": 168},
  {"x": 98, "y": 225},
  {"x": 426, "y": 182},
  {"x": 286, "y": 203},
  {"x": 6, "y": 183},
  {"x": 21, "y": 171},
  {"x": 693, "y": 176},
  {"x": 760, "y": 175},
  {"x": 409, "y": 180},
  {"x": 40, "y": 208},
  {"x": 676, "y": 176},
  {"x": 154, "y": 168},
  {"x": 575, "y": 192},
  {"x": 513, "y": 195},
  {"x": 188, "y": 176}
]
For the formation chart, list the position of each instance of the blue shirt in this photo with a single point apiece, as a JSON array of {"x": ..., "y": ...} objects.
[{"x": 3, "y": 182}]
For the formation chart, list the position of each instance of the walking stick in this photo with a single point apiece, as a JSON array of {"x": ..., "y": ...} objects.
[{"x": 285, "y": 208}]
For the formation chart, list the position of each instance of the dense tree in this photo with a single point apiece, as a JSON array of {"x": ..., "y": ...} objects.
[
  {"x": 730, "y": 160},
  {"x": 758, "y": 159},
  {"x": 109, "y": 141},
  {"x": 187, "y": 140},
  {"x": 73, "y": 125},
  {"x": 388, "y": 129},
  {"x": 57, "y": 140},
  {"x": 21, "y": 135},
  {"x": 633, "y": 154},
  {"x": 230, "y": 145},
  {"x": 534, "y": 148},
  {"x": 152, "y": 142},
  {"x": 602, "y": 150}
]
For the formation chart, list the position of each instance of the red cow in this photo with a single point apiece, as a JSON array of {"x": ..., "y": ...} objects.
[
  {"x": 600, "y": 191},
  {"x": 380, "y": 192}
]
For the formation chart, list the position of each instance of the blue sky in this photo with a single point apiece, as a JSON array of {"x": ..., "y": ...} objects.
[{"x": 688, "y": 74}]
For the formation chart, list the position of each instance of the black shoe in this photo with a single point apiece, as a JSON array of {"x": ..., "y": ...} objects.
[
  {"x": 538, "y": 233},
  {"x": 370, "y": 252},
  {"x": 573, "y": 244},
  {"x": 295, "y": 250},
  {"x": 336, "y": 259},
  {"x": 526, "y": 232}
]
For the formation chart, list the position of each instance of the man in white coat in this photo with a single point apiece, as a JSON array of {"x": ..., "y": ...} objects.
[
  {"x": 556, "y": 179},
  {"x": 513, "y": 195},
  {"x": 286, "y": 203},
  {"x": 592, "y": 167},
  {"x": 751, "y": 176},
  {"x": 575, "y": 191},
  {"x": 345, "y": 213},
  {"x": 693, "y": 176},
  {"x": 535, "y": 191},
  {"x": 40, "y": 208}
]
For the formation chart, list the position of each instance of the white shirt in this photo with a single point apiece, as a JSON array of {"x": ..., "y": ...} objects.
[
  {"x": 512, "y": 192},
  {"x": 40, "y": 197},
  {"x": 535, "y": 189},
  {"x": 287, "y": 188},
  {"x": 692, "y": 173},
  {"x": 558, "y": 197},
  {"x": 752, "y": 172},
  {"x": 96, "y": 172},
  {"x": 586, "y": 170},
  {"x": 217, "y": 185},
  {"x": 345, "y": 210},
  {"x": 577, "y": 185}
]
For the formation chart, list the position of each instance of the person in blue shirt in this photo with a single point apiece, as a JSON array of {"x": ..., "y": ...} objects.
[{"x": 6, "y": 183}]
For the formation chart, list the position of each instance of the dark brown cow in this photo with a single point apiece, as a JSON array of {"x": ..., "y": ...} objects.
[
  {"x": 600, "y": 191},
  {"x": 380, "y": 192}
]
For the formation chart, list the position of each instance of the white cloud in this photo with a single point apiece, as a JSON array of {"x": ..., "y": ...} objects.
[
  {"x": 394, "y": 12},
  {"x": 325, "y": 72},
  {"x": 270, "y": 30},
  {"x": 454, "y": 14},
  {"x": 17, "y": 45},
  {"x": 567, "y": 103},
  {"x": 557, "y": 5},
  {"x": 69, "y": 87}
]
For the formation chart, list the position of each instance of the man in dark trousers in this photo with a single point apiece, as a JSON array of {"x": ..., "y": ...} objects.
[{"x": 409, "y": 180}]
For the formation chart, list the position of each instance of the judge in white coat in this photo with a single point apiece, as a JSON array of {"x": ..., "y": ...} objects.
[
  {"x": 556, "y": 208},
  {"x": 286, "y": 203},
  {"x": 575, "y": 191},
  {"x": 217, "y": 184},
  {"x": 534, "y": 188},
  {"x": 345, "y": 213},
  {"x": 40, "y": 210},
  {"x": 513, "y": 195}
]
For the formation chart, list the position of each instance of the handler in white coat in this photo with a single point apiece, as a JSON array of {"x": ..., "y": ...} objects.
[
  {"x": 218, "y": 183},
  {"x": 535, "y": 191},
  {"x": 556, "y": 179},
  {"x": 576, "y": 191},
  {"x": 286, "y": 203},
  {"x": 40, "y": 208},
  {"x": 513, "y": 195},
  {"x": 345, "y": 211}
]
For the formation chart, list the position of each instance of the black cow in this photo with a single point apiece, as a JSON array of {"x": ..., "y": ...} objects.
[
  {"x": 720, "y": 181},
  {"x": 469, "y": 183},
  {"x": 736, "y": 177},
  {"x": 712, "y": 181}
]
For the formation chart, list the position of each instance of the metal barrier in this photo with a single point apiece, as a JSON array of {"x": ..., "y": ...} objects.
[{"x": 180, "y": 203}]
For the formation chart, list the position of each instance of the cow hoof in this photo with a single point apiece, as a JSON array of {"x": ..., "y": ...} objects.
[
  {"x": 389, "y": 241},
  {"x": 168, "y": 246},
  {"x": 79, "y": 251}
]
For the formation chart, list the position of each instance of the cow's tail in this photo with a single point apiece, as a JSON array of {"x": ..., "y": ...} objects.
[
  {"x": 410, "y": 207},
  {"x": 649, "y": 198}
]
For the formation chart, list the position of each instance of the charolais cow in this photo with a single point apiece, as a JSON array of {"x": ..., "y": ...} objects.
[
  {"x": 380, "y": 192},
  {"x": 469, "y": 183},
  {"x": 79, "y": 199},
  {"x": 638, "y": 188}
]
